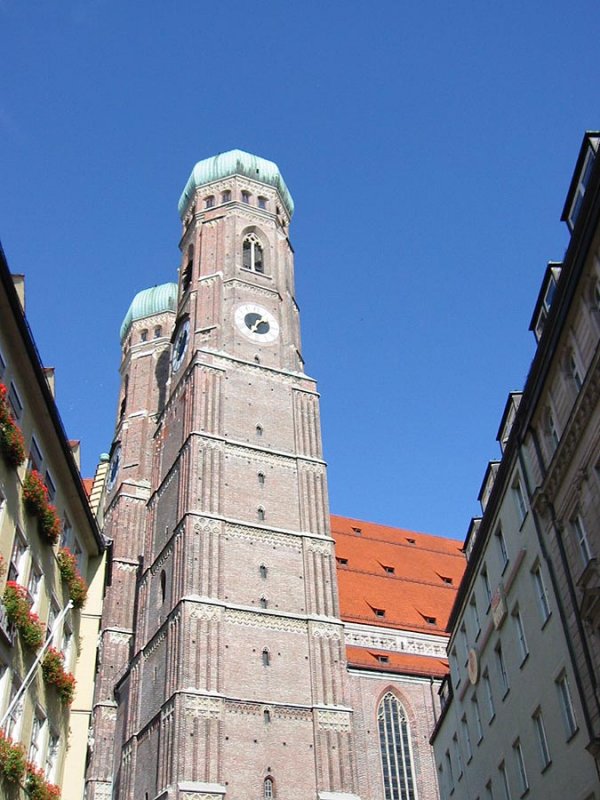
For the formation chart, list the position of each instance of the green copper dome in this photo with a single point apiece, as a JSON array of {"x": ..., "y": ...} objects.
[
  {"x": 235, "y": 162},
  {"x": 149, "y": 302}
]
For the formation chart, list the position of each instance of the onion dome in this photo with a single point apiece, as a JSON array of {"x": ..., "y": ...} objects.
[{"x": 148, "y": 303}]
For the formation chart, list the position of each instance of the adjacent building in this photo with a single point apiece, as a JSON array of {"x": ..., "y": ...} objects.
[
  {"x": 521, "y": 704},
  {"x": 231, "y": 663},
  {"x": 50, "y": 556}
]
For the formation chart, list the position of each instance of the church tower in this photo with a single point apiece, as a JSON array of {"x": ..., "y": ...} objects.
[{"x": 223, "y": 668}]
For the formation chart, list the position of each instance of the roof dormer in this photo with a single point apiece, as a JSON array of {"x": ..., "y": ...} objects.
[
  {"x": 581, "y": 178},
  {"x": 545, "y": 299},
  {"x": 508, "y": 418}
]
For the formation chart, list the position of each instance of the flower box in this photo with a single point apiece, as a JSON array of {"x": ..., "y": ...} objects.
[
  {"x": 12, "y": 760},
  {"x": 35, "y": 500},
  {"x": 16, "y": 603},
  {"x": 55, "y": 674},
  {"x": 36, "y": 785},
  {"x": 67, "y": 564},
  {"x": 12, "y": 444}
]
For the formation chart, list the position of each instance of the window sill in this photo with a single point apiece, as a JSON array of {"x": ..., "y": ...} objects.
[
  {"x": 546, "y": 766},
  {"x": 492, "y": 718},
  {"x": 525, "y": 792},
  {"x": 524, "y": 660},
  {"x": 572, "y": 735},
  {"x": 545, "y": 622},
  {"x": 506, "y": 693}
]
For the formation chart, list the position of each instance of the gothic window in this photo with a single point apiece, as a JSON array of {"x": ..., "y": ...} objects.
[
  {"x": 266, "y": 658},
  {"x": 252, "y": 253},
  {"x": 260, "y": 513},
  {"x": 163, "y": 585},
  {"x": 268, "y": 790},
  {"x": 396, "y": 750},
  {"x": 209, "y": 202},
  {"x": 263, "y": 571},
  {"x": 186, "y": 277}
]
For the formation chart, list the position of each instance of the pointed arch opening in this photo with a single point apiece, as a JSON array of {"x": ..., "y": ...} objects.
[
  {"x": 268, "y": 788},
  {"x": 396, "y": 749},
  {"x": 253, "y": 253}
]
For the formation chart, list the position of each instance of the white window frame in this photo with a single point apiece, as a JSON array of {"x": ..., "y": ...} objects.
[
  {"x": 14, "y": 401},
  {"x": 52, "y": 756},
  {"x": 566, "y": 705},
  {"x": 519, "y": 497},
  {"x": 467, "y": 737},
  {"x": 505, "y": 783},
  {"x": 521, "y": 637},
  {"x": 490, "y": 696},
  {"x": 18, "y": 566},
  {"x": 34, "y": 586},
  {"x": 505, "y": 683},
  {"x": 502, "y": 548},
  {"x": 37, "y": 742},
  {"x": 14, "y": 721},
  {"x": 541, "y": 593},
  {"x": 521, "y": 769},
  {"x": 583, "y": 543},
  {"x": 478, "y": 723},
  {"x": 542, "y": 739}
]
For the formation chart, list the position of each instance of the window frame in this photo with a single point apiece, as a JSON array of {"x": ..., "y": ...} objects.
[
  {"x": 566, "y": 705},
  {"x": 395, "y": 749},
  {"x": 542, "y": 739}
]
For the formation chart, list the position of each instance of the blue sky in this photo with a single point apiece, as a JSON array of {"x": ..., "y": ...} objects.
[{"x": 428, "y": 148}]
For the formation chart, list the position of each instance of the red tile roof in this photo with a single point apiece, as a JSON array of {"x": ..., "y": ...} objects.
[
  {"x": 405, "y": 663},
  {"x": 88, "y": 484},
  {"x": 395, "y": 578}
]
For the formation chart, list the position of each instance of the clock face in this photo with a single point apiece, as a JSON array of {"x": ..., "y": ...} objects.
[
  {"x": 113, "y": 469},
  {"x": 256, "y": 323},
  {"x": 180, "y": 345}
]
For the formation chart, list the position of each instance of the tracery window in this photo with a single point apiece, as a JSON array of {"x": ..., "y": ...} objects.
[
  {"x": 396, "y": 751},
  {"x": 252, "y": 253},
  {"x": 268, "y": 792}
]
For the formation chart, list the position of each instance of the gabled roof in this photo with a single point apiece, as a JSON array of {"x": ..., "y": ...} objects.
[{"x": 411, "y": 577}]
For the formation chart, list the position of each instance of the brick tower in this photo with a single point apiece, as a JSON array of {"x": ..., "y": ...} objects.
[{"x": 223, "y": 667}]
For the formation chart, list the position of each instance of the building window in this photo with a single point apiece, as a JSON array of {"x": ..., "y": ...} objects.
[
  {"x": 262, "y": 571},
  {"x": 266, "y": 716},
  {"x": 34, "y": 586},
  {"x": 379, "y": 612},
  {"x": 260, "y": 513},
  {"x": 259, "y": 430},
  {"x": 478, "y": 725},
  {"x": 144, "y": 335},
  {"x": 245, "y": 197},
  {"x": 489, "y": 696},
  {"x": 53, "y": 613},
  {"x": 541, "y": 594},
  {"x": 540, "y": 731},
  {"x": 502, "y": 670},
  {"x": 467, "y": 737},
  {"x": 489, "y": 794},
  {"x": 475, "y": 616},
  {"x": 519, "y": 496},
  {"x": 268, "y": 788},
  {"x": 35, "y": 456},
  {"x": 163, "y": 586},
  {"x": 388, "y": 569},
  {"x": 521, "y": 771},
  {"x": 157, "y": 332},
  {"x": 395, "y": 749},
  {"x": 186, "y": 277},
  {"x": 566, "y": 705},
  {"x": 574, "y": 370},
  {"x": 523, "y": 648},
  {"x": 582, "y": 539},
  {"x": 341, "y": 561},
  {"x": 504, "y": 779},
  {"x": 50, "y": 486},
  {"x": 261, "y": 478},
  {"x": 226, "y": 196},
  {"x": 263, "y": 602},
  {"x": 266, "y": 658},
  {"x": 486, "y": 586},
  {"x": 262, "y": 202},
  {"x": 18, "y": 559},
  {"x": 252, "y": 253},
  {"x": 576, "y": 204},
  {"x": 502, "y": 548},
  {"x": 552, "y": 429},
  {"x": 52, "y": 757},
  {"x": 15, "y": 402},
  {"x": 457, "y": 756},
  {"x": 12, "y": 726},
  {"x": 382, "y": 659},
  {"x": 209, "y": 202},
  {"x": 36, "y": 752}
]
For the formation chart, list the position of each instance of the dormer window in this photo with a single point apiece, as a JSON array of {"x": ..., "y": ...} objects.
[
  {"x": 545, "y": 300},
  {"x": 580, "y": 189},
  {"x": 379, "y": 612},
  {"x": 387, "y": 568},
  {"x": 383, "y": 659},
  {"x": 341, "y": 561}
]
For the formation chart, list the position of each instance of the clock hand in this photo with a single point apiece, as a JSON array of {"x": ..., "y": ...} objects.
[{"x": 254, "y": 328}]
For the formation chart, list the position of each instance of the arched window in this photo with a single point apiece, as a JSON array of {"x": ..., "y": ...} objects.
[
  {"x": 226, "y": 196},
  {"x": 163, "y": 585},
  {"x": 396, "y": 751},
  {"x": 252, "y": 253},
  {"x": 186, "y": 277},
  {"x": 259, "y": 430},
  {"x": 268, "y": 790},
  {"x": 263, "y": 571},
  {"x": 263, "y": 602},
  {"x": 261, "y": 478},
  {"x": 260, "y": 513},
  {"x": 266, "y": 716},
  {"x": 266, "y": 658}
]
